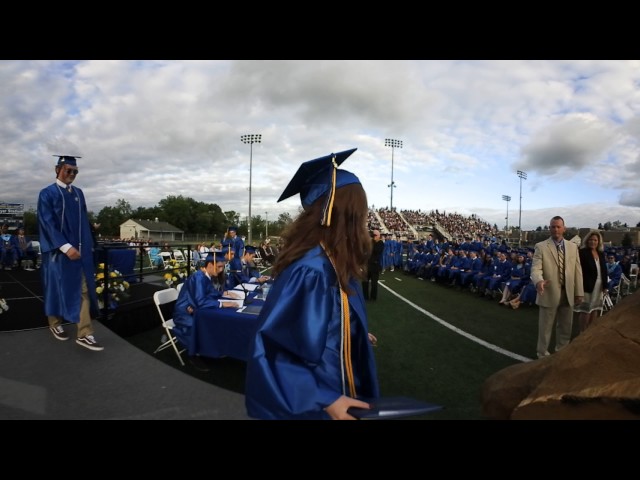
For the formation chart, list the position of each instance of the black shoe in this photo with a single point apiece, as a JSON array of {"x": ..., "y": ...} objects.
[
  {"x": 59, "y": 333},
  {"x": 198, "y": 364}
]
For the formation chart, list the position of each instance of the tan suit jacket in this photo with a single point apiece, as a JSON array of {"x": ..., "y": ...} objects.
[{"x": 545, "y": 267}]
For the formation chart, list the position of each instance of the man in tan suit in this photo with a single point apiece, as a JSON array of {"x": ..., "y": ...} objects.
[{"x": 558, "y": 288}]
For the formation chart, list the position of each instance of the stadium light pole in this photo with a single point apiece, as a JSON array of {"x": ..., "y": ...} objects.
[
  {"x": 250, "y": 139},
  {"x": 507, "y": 199},
  {"x": 393, "y": 143},
  {"x": 266, "y": 225},
  {"x": 522, "y": 175}
]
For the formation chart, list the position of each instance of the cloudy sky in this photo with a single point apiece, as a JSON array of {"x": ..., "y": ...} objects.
[{"x": 149, "y": 129}]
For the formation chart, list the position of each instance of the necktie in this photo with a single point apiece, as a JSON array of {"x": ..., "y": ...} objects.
[{"x": 561, "y": 264}]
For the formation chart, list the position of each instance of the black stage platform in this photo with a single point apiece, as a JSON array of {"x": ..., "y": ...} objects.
[
  {"x": 23, "y": 292},
  {"x": 44, "y": 378}
]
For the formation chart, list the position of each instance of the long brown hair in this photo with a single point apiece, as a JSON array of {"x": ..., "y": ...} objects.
[{"x": 346, "y": 240}]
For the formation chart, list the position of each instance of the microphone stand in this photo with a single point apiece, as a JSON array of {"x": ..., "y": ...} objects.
[{"x": 245, "y": 300}]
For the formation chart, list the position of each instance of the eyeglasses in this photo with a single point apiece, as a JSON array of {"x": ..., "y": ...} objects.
[{"x": 71, "y": 171}]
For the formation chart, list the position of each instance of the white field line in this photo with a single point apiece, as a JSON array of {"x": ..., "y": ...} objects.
[{"x": 473, "y": 338}]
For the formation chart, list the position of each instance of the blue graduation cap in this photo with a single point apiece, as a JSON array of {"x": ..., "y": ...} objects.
[
  {"x": 216, "y": 256},
  {"x": 66, "y": 160},
  {"x": 249, "y": 249},
  {"x": 318, "y": 178}
]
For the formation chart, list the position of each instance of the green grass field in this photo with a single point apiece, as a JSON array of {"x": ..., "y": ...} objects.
[{"x": 435, "y": 343}]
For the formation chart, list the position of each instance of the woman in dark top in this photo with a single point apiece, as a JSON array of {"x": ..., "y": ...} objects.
[{"x": 594, "y": 278}]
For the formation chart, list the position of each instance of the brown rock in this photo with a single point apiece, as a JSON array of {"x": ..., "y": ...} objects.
[{"x": 596, "y": 376}]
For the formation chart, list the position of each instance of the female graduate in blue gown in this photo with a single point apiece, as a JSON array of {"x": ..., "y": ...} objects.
[{"x": 312, "y": 354}]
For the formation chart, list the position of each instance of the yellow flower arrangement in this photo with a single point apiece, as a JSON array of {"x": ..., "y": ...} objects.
[
  {"x": 176, "y": 273},
  {"x": 117, "y": 287}
]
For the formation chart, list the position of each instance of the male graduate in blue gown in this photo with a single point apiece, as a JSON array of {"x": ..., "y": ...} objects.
[
  {"x": 312, "y": 356},
  {"x": 66, "y": 243},
  {"x": 196, "y": 293},
  {"x": 232, "y": 239}
]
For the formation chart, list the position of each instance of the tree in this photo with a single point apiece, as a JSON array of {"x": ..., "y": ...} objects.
[
  {"x": 110, "y": 218},
  {"x": 144, "y": 213},
  {"x": 617, "y": 225},
  {"x": 30, "y": 222},
  {"x": 607, "y": 226},
  {"x": 600, "y": 227},
  {"x": 539, "y": 229},
  {"x": 626, "y": 240},
  {"x": 124, "y": 208}
]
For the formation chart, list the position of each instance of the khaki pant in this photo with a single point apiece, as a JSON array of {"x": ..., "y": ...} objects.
[
  {"x": 563, "y": 315},
  {"x": 84, "y": 327}
]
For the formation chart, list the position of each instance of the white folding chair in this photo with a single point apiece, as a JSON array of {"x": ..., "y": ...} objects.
[
  {"x": 36, "y": 247},
  {"x": 607, "y": 304},
  {"x": 179, "y": 287},
  {"x": 165, "y": 298},
  {"x": 633, "y": 275},
  {"x": 257, "y": 259},
  {"x": 155, "y": 258},
  {"x": 179, "y": 256},
  {"x": 166, "y": 258},
  {"x": 624, "y": 287}
]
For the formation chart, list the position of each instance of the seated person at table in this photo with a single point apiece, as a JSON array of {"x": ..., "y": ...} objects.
[
  {"x": 248, "y": 272},
  {"x": 198, "y": 292}
]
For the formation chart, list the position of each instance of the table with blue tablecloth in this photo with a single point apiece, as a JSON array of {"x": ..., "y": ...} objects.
[{"x": 223, "y": 332}]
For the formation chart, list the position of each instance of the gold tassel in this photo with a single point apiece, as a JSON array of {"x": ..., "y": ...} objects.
[
  {"x": 347, "y": 343},
  {"x": 345, "y": 337},
  {"x": 328, "y": 209}
]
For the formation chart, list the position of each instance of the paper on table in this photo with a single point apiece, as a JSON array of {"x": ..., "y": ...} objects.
[
  {"x": 250, "y": 287},
  {"x": 238, "y": 303},
  {"x": 237, "y": 293}
]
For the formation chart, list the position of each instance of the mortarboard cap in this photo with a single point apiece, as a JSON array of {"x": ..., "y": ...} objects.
[
  {"x": 66, "y": 160},
  {"x": 215, "y": 257},
  {"x": 232, "y": 228},
  {"x": 319, "y": 177},
  {"x": 249, "y": 249}
]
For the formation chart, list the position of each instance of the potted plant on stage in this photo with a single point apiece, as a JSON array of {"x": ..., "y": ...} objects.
[
  {"x": 117, "y": 288},
  {"x": 176, "y": 273}
]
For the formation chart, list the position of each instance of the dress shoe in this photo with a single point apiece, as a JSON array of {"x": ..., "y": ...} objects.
[{"x": 198, "y": 364}]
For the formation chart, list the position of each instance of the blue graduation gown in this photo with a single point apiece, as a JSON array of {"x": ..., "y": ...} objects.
[
  {"x": 237, "y": 245},
  {"x": 294, "y": 368},
  {"x": 197, "y": 292},
  {"x": 62, "y": 219}
]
